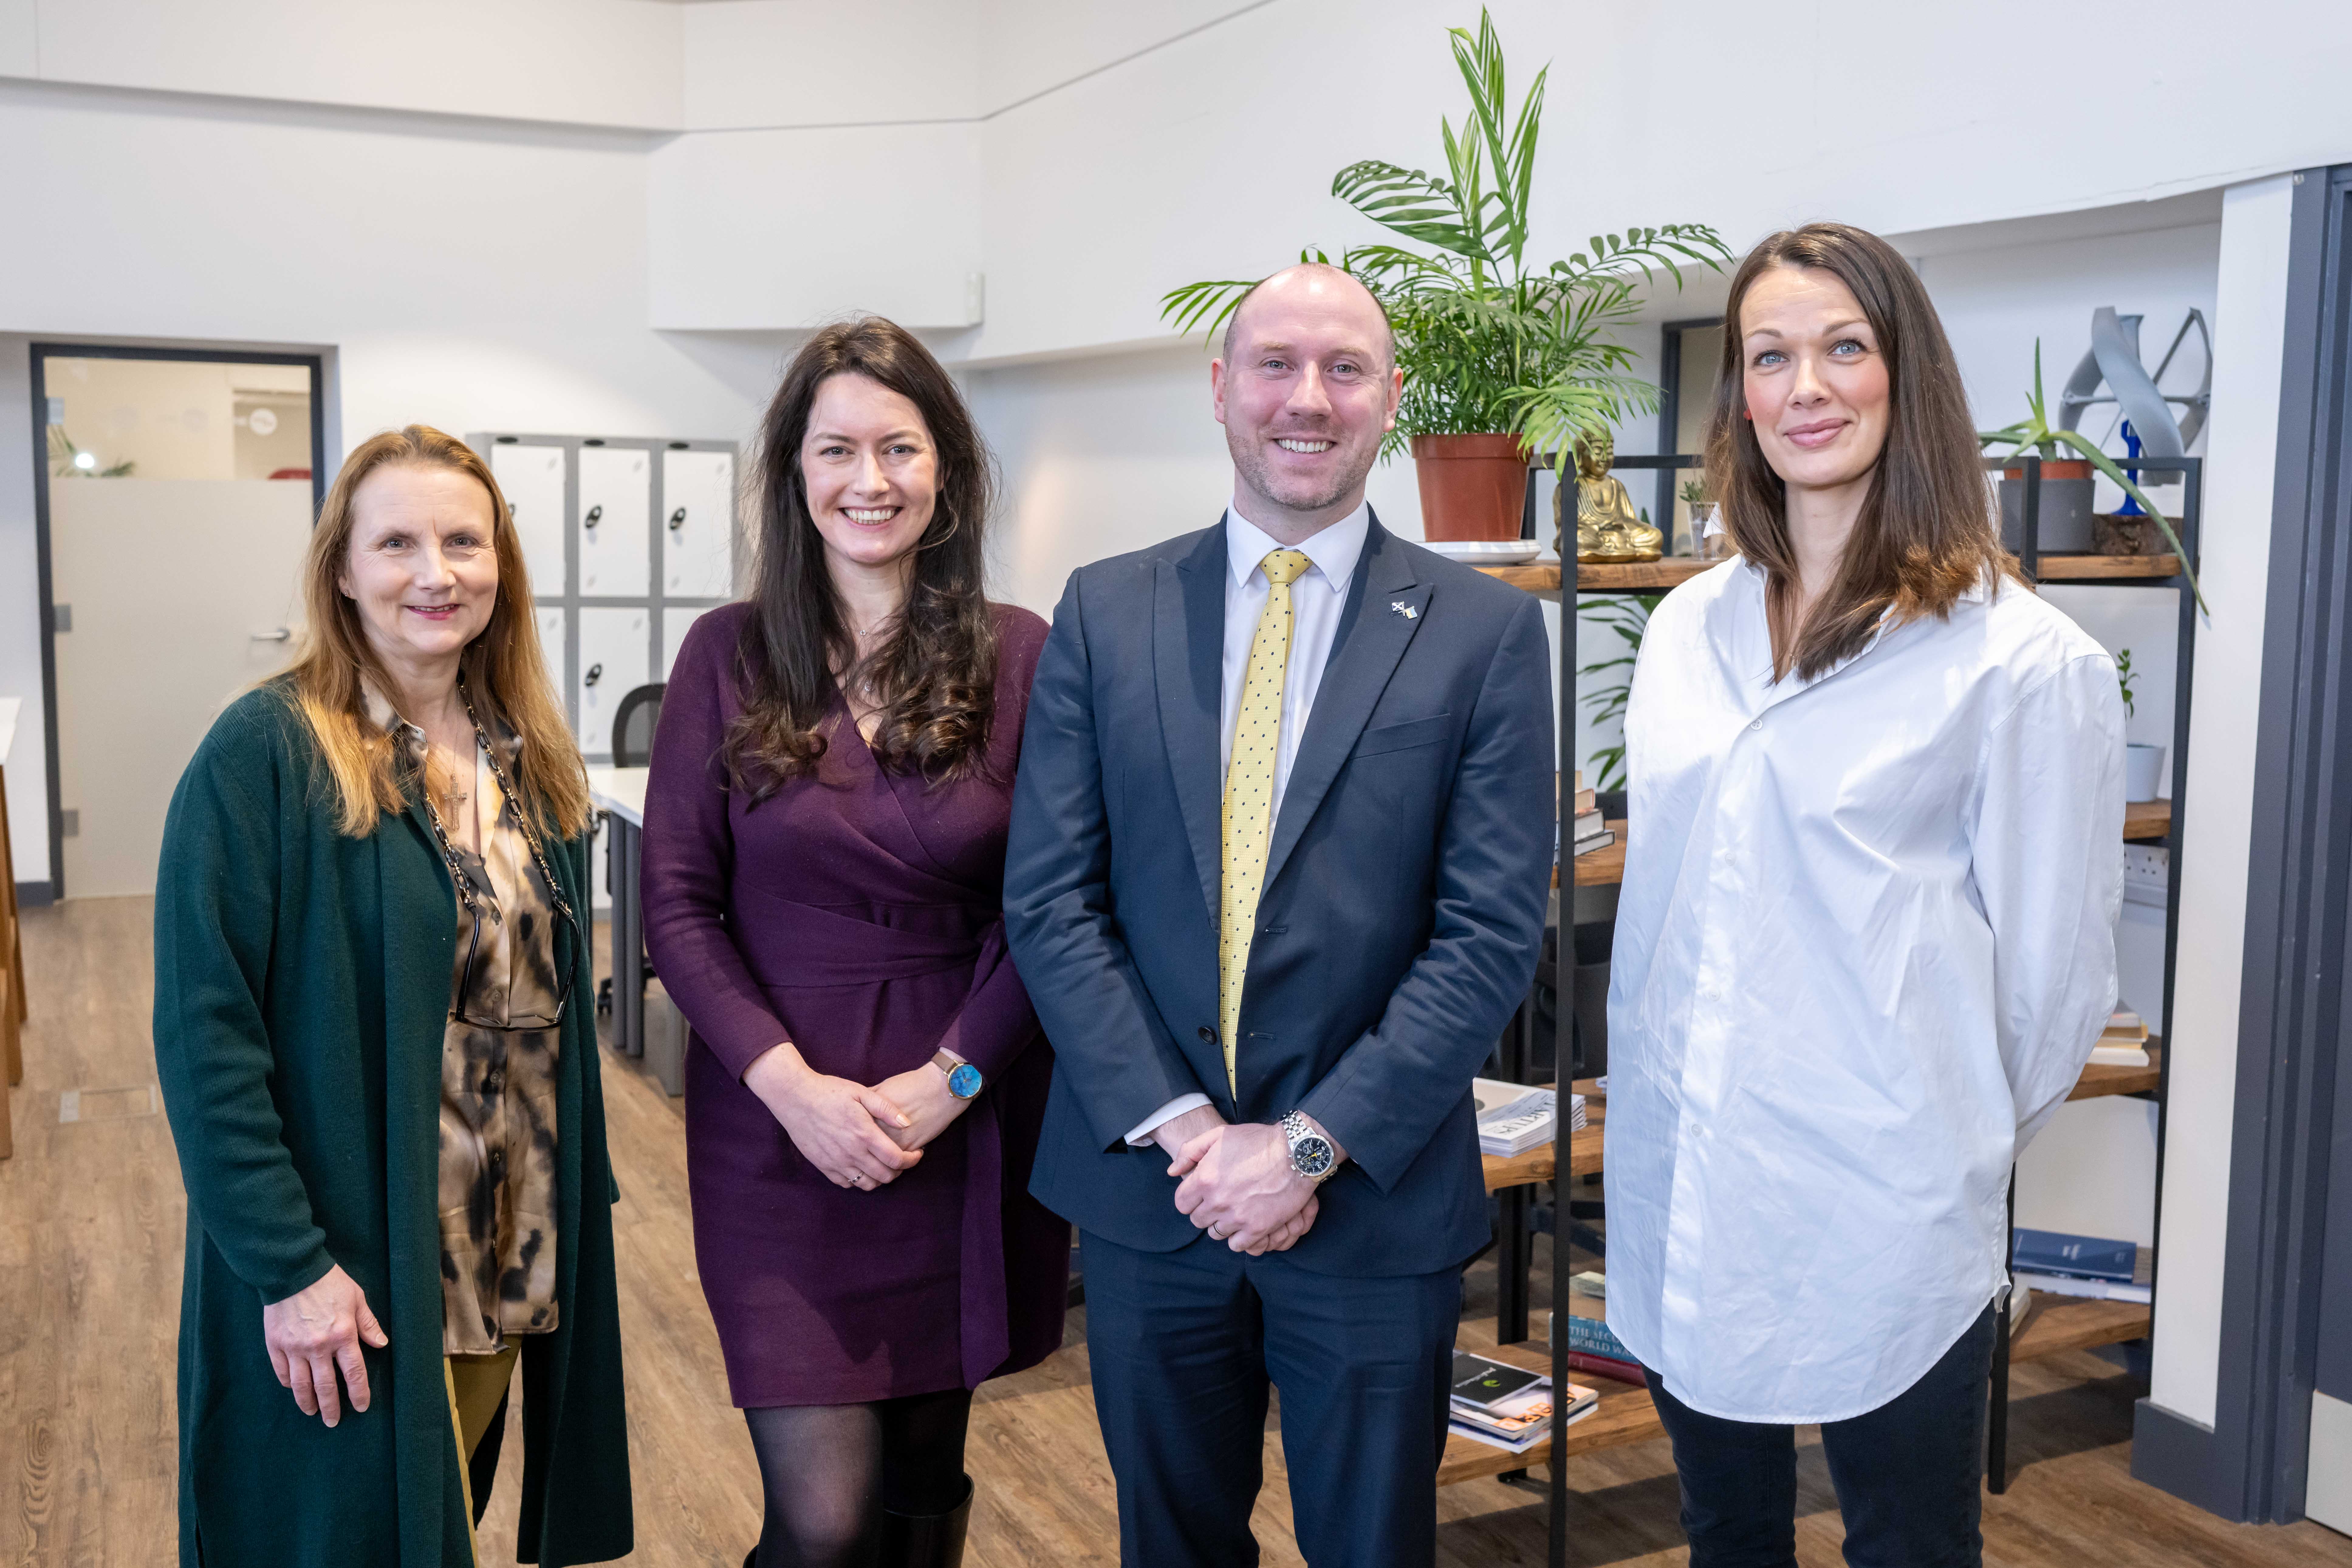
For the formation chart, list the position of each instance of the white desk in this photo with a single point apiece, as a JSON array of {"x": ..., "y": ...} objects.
[{"x": 620, "y": 793}]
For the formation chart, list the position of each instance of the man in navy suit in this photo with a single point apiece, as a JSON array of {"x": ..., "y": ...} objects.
[{"x": 1282, "y": 838}]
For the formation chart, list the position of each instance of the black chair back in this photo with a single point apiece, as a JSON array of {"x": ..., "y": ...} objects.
[{"x": 634, "y": 724}]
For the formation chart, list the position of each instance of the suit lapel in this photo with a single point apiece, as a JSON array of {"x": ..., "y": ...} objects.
[
  {"x": 1188, "y": 641},
  {"x": 1383, "y": 611}
]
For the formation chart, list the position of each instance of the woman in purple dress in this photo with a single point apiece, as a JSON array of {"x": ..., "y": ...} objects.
[{"x": 824, "y": 856}]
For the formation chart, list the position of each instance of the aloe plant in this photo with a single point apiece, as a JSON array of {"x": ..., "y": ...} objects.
[
  {"x": 1490, "y": 343},
  {"x": 2035, "y": 431}
]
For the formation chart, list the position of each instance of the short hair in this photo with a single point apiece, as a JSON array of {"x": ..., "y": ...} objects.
[{"x": 1388, "y": 328}]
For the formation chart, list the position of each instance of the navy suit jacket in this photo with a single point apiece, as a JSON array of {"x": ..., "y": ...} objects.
[{"x": 1400, "y": 918}]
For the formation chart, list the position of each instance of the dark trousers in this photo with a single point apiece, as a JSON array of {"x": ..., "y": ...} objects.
[
  {"x": 1908, "y": 1474},
  {"x": 1184, "y": 1345}
]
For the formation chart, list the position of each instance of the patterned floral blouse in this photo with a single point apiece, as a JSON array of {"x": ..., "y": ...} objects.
[{"x": 497, "y": 1077}]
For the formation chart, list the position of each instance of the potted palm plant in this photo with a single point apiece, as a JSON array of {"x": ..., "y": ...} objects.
[{"x": 1503, "y": 356}]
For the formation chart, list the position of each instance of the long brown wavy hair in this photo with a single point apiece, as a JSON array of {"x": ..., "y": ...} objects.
[
  {"x": 1925, "y": 533},
  {"x": 934, "y": 674},
  {"x": 503, "y": 669}
]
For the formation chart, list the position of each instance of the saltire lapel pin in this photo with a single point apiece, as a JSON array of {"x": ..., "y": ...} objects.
[{"x": 1399, "y": 608}]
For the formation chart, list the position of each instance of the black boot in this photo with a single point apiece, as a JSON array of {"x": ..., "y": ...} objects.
[{"x": 927, "y": 1540}]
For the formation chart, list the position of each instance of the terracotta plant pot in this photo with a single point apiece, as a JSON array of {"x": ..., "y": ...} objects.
[{"x": 1471, "y": 486}]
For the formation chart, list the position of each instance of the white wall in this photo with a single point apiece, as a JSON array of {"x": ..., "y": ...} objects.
[
  {"x": 468, "y": 275},
  {"x": 585, "y": 62}
]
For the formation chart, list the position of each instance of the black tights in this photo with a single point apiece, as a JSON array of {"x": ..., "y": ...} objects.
[{"x": 829, "y": 1471}]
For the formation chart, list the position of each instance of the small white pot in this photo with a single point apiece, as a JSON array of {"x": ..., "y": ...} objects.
[{"x": 2143, "y": 772}]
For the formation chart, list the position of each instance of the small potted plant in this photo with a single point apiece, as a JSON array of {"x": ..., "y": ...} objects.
[
  {"x": 1503, "y": 356},
  {"x": 2065, "y": 525},
  {"x": 2143, "y": 765}
]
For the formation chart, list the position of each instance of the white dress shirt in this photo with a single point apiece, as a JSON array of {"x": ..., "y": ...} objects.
[
  {"x": 1865, "y": 944},
  {"x": 1316, "y": 600}
]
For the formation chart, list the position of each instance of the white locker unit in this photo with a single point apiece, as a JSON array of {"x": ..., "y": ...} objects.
[
  {"x": 614, "y": 656},
  {"x": 615, "y": 498},
  {"x": 626, "y": 541},
  {"x": 698, "y": 515},
  {"x": 533, "y": 480}
]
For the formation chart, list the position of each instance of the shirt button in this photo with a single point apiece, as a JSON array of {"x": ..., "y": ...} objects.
[
  {"x": 1207, "y": 1035},
  {"x": 1758, "y": 724}
]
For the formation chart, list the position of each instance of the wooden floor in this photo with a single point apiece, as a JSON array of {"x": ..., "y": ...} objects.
[{"x": 90, "y": 1233}]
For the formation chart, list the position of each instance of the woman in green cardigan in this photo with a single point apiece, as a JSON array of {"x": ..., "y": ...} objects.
[{"x": 374, "y": 1037}]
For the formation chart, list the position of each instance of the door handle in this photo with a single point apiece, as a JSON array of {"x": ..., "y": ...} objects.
[
  {"x": 595, "y": 515},
  {"x": 677, "y": 519},
  {"x": 596, "y": 672},
  {"x": 282, "y": 634}
]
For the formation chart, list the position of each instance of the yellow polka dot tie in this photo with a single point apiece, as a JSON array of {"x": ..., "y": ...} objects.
[{"x": 1249, "y": 793}]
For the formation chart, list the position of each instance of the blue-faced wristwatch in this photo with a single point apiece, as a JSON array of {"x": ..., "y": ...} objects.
[
  {"x": 1311, "y": 1154},
  {"x": 963, "y": 1078}
]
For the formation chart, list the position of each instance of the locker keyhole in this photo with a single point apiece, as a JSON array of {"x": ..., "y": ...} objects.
[
  {"x": 596, "y": 672},
  {"x": 595, "y": 515},
  {"x": 677, "y": 519}
]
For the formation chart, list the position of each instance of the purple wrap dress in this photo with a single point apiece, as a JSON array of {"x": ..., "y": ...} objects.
[{"x": 857, "y": 913}]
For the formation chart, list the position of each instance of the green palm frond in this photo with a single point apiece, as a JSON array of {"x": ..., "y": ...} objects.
[{"x": 1488, "y": 343}]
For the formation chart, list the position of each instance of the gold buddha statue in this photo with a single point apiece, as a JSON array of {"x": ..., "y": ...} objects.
[{"x": 1608, "y": 528}]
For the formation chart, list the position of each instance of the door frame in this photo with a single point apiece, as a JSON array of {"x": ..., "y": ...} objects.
[
  {"x": 2278, "y": 1280},
  {"x": 42, "y": 352}
]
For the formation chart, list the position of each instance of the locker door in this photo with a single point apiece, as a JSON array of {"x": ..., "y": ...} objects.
[
  {"x": 554, "y": 640},
  {"x": 613, "y": 646},
  {"x": 532, "y": 478},
  {"x": 615, "y": 501},
  {"x": 676, "y": 619},
  {"x": 699, "y": 507}
]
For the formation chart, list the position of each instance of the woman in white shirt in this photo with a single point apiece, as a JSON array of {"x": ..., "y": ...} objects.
[{"x": 1865, "y": 939}]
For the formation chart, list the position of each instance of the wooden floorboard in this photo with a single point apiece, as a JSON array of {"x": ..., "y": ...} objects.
[{"x": 91, "y": 1218}]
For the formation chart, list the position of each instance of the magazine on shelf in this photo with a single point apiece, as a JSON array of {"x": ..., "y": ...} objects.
[
  {"x": 1508, "y": 1406},
  {"x": 1514, "y": 1117},
  {"x": 2076, "y": 1257}
]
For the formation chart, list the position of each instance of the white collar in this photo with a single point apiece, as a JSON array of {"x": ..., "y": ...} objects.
[{"x": 1333, "y": 550}]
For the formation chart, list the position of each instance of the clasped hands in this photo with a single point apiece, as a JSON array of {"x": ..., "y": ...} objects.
[
  {"x": 1236, "y": 1182},
  {"x": 855, "y": 1135}
]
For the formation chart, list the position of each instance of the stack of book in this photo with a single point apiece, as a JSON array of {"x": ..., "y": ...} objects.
[
  {"x": 2086, "y": 1266},
  {"x": 2123, "y": 1043},
  {"x": 1514, "y": 1117},
  {"x": 1591, "y": 832},
  {"x": 1593, "y": 1348},
  {"x": 1509, "y": 1407}
]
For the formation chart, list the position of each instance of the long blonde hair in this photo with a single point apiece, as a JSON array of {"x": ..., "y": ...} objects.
[{"x": 503, "y": 669}]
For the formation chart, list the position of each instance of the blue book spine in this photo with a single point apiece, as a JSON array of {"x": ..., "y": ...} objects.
[
  {"x": 1591, "y": 1336},
  {"x": 2081, "y": 1257}
]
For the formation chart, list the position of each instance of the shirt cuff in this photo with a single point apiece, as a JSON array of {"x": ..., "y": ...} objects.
[{"x": 1139, "y": 1136}]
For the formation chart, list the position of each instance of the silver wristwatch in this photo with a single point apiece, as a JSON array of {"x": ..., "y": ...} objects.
[{"x": 1311, "y": 1154}]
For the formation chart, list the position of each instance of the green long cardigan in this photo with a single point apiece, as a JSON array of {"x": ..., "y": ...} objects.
[{"x": 301, "y": 987}]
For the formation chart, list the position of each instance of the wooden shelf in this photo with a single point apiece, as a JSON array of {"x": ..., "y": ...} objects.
[
  {"x": 1630, "y": 577},
  {"x": 2143, "y": 820},
  {"x": 1538, "y": 1163},
  {"x": 1626, "y": 1415},
  {"x": 2098, "y": 1082},
  {"x": 2105, "y": 568},
  {"x": 1604, "y": 867},
  {"x": 2062, "y": 1323},
  {"x": 1648, "y": 576}
]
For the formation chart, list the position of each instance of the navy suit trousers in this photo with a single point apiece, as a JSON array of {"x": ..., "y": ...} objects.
[{"x": 1185, "y": 1346}]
